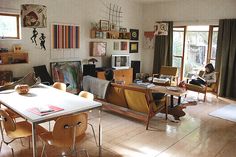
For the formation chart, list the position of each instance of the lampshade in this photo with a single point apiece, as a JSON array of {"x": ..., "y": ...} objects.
[{"x": 34, "y": 15}]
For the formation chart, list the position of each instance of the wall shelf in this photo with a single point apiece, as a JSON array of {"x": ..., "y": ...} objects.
[
  {"x": 98, "y": 34},
  {"x": 13, "y": 58}
]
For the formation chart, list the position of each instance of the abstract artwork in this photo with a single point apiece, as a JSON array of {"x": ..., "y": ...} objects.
[
  {"x": 116, "y": 46},
  {"x": 133, "y": 47},
  {"x": 34, "y": 15},
  {"x": 68, "y": 72},
  {"x": 98, "y": 49},
  {"x": 148, "y": 42},
  {"x": 65, "y": 36},
  {"x": 161, "y": 28},
  {"x": 123, "y": 45},
  {"x": 134, "y": 34}
]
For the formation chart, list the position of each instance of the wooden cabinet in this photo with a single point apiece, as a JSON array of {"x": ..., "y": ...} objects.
[
  {"x": 13, "y": 58},
  {"x": 125, "y": 75}
]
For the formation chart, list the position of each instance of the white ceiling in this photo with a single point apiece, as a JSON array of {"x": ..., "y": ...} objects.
[{"x": 151, "y": 1}]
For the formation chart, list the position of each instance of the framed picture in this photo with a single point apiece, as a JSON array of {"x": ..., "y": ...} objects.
[
  {"x": 116, "y": 46},
  {"x": 134, "y": 34},
  {"x": 123, "y": 45},
  {"x": 148, "y": 41},
  {"x": 104, "y": 25},
  {"x": 133, "y": 47},
  {"x": 69, "y": 72},
  {"x": 98, "y": 49}
]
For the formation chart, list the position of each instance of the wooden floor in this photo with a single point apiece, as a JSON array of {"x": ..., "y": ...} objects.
[{"x": 197, "y": 134}]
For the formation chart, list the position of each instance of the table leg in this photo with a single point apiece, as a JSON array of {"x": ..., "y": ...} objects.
[
  {"x": 100, "y": 134},
  {"x": 179, "y": 100},
  {"x": 34, "y": 140},
  {"x": 171, "y": 101}
]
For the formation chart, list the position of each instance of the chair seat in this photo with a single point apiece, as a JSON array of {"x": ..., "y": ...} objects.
[
  {"x": 24, "y": 129},
  {"x": 48, "y": 138},
  {"x": 195, "y": 88}
]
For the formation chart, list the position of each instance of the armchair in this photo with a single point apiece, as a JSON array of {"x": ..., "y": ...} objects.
[
  {"x": 213, "y": 88},
  {"x": 168, "y": 72}
]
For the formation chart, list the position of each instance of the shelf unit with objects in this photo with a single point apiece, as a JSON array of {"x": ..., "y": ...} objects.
[
  {"x": 98, "y": 34},
  {"x": 14, "y": 58}
]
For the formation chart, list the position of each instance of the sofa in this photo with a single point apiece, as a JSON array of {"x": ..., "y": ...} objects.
[{"x": 133, "y": 101}]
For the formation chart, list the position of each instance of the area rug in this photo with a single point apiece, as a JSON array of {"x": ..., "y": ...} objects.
[{"x": 227, "y": 112}]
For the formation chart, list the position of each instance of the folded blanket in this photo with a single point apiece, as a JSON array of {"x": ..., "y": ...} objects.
[{"x": 96, "y": 86}]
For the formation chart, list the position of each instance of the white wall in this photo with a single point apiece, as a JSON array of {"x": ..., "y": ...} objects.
[
  {"x": 184, "y": 12},
  {"x": 79, "y": 12}
]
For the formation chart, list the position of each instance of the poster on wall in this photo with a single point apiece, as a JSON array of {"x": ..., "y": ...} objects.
[
  {"x": 161, "y": 28},
  {"x": 65, "y": 36},
  {"x": 148, "y": 41},
  {"x": 34, "y": 15}
]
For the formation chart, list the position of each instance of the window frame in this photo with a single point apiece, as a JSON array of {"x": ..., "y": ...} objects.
[{"x": 17, "y": 24}]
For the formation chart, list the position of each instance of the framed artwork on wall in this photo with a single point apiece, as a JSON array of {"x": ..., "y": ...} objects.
[
  {"x": 98, "y": 49},
  {"x": 116, "y": 46},
  {"x": 148, "y": 41},
  {"x": 104, "y": 25},
  {"x": 124, "y": 45},
  {"x": 134, "y": 34},
  {"x": 133, "y": 47},
  {"x": 65, "y": 36}
]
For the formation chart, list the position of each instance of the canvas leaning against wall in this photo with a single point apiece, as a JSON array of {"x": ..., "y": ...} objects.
[
  {"x": 65, "y": 36},
  {"x": 68, "y": 72}
]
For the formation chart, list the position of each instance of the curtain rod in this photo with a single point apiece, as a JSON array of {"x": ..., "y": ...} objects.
[{"x": 198, "y": 20}]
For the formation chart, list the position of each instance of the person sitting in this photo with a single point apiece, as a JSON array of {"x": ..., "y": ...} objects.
[
  {"x": 109, "y": 75},
  {"x": 207, "y": 78}
]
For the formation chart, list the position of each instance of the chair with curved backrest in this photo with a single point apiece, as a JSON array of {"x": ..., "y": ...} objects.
[
  {"x": 86, "y": 94},
  {"x": 15, "y": 130},
  {"x": 213, "y": 88},
  {"x": 60, "y": 86},
  {"x": 67, "y": 132},
  {"x": 170, "y": 73}
]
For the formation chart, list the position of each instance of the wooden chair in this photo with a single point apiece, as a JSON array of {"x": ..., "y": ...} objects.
[
  {"x": 68, "y": 131},
  {"x": 86, "y": 95},
  {"x": 213, "y": 88},
  {"x": 60, "y": 86},
  {"x": 141, "y": 100},
  {"x": 168, "y": 72},
  {"x": 15, "y": 130}
]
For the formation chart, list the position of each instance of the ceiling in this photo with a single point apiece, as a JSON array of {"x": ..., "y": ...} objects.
[{"x": 151, "y": 1}]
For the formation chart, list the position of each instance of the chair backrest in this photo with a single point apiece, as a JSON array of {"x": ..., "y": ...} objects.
[
  {"x": 86, "y": 95},
  {"x": 137, "y": 98},
  {"x": 60, "y": 86},
  {"x": 8, "y": 123},
  {"x": 168, "y": 70},
  {"x": 67, "y": 128},
  {"x": 215, "y": 85},
  {"x": 42, "y": 73}
]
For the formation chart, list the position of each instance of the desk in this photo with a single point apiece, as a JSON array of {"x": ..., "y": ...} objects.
[
  {"x": 45, "y": 95},
  {"x": 166, "y": 90}
]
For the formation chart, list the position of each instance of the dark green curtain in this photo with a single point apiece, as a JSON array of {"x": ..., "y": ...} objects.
[
  {"x": 226, "y": 57},
  {"x": 163, "y": 49}
]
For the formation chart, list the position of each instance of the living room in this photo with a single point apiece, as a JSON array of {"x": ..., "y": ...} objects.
[{"x": 194, "y": 135}]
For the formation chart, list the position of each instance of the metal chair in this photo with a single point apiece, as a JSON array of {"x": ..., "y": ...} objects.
[{"x": 15, "y": 130}]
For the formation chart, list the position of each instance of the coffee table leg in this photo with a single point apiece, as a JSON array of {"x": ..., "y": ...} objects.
[
  {"x": 171, "y": 101},
  {"x": 100, "y": 134}
]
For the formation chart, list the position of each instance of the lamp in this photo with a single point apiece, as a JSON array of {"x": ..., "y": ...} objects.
[{"x": 34, "y": 15}]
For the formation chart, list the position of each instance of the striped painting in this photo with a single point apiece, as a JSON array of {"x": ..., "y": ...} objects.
[{"x": 65, "y": 36}]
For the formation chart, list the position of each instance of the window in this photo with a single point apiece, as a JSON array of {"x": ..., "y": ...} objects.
[
  {"x": 193, "y": 48},
  {"x": 9, "y": 26}
]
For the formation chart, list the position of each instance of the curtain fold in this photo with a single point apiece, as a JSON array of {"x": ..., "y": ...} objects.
[
  {"x": 163, "y": 49},
  {"x": 226, "y": 57}
]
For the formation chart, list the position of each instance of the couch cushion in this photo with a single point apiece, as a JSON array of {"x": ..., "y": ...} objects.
[{"x": 115, "y": 95}]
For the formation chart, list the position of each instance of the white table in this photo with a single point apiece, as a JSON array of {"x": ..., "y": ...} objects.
[{"x": 45, "y": 95}]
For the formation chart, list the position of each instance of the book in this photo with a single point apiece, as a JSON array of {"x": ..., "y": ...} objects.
[{"x": 45, "y": 110}]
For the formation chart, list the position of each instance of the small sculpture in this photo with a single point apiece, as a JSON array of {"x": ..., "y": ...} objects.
[
  {"x": 93, "y": 60},
  {"x": 34, "y": 36},
  {"x": 42, "y": 43}
]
